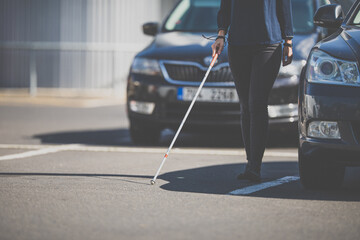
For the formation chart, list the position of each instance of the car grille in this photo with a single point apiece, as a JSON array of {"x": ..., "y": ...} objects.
[
  {"x": 203, "y": 112},
  {"x": 194, "y": 73},
  {"x": 283, "y": 95}
]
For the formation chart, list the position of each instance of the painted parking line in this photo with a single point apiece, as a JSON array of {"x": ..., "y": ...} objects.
[
  {"x": 59, "y": 102},
  {"x": 79, "y": 147},
  {"x": 262, "y": 186},
  {"x": 38, "y": 152}
]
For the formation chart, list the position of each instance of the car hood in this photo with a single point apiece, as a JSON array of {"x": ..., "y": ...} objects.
[
  {"x": 181, "y": 46},
  {"x": 184, "y": 46},
  {"x": 343, "y": 44}
]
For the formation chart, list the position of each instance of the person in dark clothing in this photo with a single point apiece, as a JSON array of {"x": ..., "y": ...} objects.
[{"x": 256, "y": 30}]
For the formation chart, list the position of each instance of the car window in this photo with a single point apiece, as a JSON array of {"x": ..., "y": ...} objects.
[
  {"x": 303, "y": 13},
  {"x": 201, "y": 15},
  {"x": 194, "y": 15}
]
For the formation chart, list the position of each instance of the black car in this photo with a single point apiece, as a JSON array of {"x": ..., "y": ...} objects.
[
  {"x": 329, "y": 101},
  {"x": 164, "y": 77}
]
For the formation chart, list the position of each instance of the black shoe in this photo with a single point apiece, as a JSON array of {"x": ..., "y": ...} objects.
[{"x": 250, "y": 176}]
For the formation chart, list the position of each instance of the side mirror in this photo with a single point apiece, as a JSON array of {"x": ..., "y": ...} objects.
[
  {"x": 150, "y": 28},
  {"x": 329, "y": 16}
]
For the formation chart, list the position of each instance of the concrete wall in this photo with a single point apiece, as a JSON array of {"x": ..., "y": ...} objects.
[{"x": 82, "y": 44}]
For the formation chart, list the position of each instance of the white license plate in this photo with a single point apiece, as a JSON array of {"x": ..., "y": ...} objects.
[{"x": 208, "y": 94}]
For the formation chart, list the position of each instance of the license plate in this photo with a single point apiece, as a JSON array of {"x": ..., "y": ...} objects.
[{"x": 208, "y": 94}]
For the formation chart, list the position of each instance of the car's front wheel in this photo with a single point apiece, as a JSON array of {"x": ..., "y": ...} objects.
[
  {"x": 319, "y": 172},
  {"x": 144, "y": 134}
]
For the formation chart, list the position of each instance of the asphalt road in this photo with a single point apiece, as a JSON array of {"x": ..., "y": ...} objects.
[{"x": 73, "y": 173}]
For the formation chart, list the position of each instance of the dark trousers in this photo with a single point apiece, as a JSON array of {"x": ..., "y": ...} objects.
[{"x": 255, "y": 69}]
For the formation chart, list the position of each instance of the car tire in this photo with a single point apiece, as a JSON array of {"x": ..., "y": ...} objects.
[
  {"x": 144, "y": 135},
  {"x": 316, "y": 173}
]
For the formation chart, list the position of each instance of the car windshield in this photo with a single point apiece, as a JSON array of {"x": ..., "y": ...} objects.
[
  {"x": 303, "y": 13},
  {"x": 356, "y": 20},
  {"x": 201, "y": 16}
]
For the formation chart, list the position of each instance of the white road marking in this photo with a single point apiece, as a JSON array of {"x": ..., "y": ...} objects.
[
  {"x": 262, "y": 186},
  {"x": 79, "y": 147},
  {"x": 38, "y": 152},
  {"x": 19, "y": 146},
  {"x": 61, "y": 102}
]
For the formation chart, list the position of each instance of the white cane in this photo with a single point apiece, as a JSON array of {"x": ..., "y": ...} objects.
[{"x": 186, "y": 115}]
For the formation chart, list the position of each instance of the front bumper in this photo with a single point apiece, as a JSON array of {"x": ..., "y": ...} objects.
[
  {"x": 332, "y": 103},
  {"x": 169, "y": 111}
]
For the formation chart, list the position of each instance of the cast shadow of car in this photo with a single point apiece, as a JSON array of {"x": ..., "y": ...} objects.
[
  {"x": 221, "y": 179},
  {"x": 102, "y": 137},
  {"x": 121, "y": 137}
]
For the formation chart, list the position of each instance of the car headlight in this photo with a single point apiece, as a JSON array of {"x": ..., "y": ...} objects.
[
  {"x": 146, "y": 66},
  {"x": 324, "y": 129},
  {"x": 324, "y": 68},
  {"x": 294, "y": 69}
]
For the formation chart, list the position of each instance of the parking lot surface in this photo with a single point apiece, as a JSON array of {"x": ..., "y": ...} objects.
[{"x": 72, "y": 172}]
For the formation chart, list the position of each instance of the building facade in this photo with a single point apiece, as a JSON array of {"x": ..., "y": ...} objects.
[{"x": 77, "y": 44}]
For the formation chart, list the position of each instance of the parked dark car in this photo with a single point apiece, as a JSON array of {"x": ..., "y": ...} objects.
[
  {"x": 164, "y": 77},
  {"x": 329, "y": 101}
]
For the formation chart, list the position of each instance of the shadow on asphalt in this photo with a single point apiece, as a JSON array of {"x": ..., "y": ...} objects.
[
  {"x": 108, "y": 137},
  {"x": 104, "y": 176},
  {"x": 221, "y": 179},
  {"x": 121, "y": 137}
]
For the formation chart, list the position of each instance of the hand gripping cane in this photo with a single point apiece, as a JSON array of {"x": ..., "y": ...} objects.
[{"x": 186, "y": 115}]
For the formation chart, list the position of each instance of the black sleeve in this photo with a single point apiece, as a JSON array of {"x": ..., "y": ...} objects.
[
  {"x": 284, "y": 15},
  {"x": 224, "y": 15}
]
